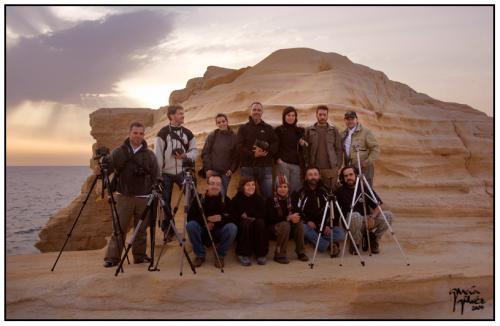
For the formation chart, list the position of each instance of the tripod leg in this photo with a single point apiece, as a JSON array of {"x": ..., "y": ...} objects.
[
  {"x": 331, "y": 232},
  {"x": 200, "y": 206},
  {"x": 114, "y": 214},
  {"x": 320, "y": 234},
  {"x": 388, "y": 224},
  {"x": 76, "y": 221},
  {"x": 365, "y": 218},
  {"x": 152, "y": 232},
  {"x": 137, "y": 229}
]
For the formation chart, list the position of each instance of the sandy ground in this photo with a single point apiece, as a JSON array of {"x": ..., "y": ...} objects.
[{"x": 444, "y": 254}]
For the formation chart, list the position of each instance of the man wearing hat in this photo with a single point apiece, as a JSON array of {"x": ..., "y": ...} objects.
[
  {"x": 357, "y": 135},
  {"x": 282, "y": 221}
]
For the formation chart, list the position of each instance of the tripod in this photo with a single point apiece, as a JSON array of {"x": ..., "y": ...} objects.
[
  {"x": 106, "y": 184},
  {"x": 188, "y": 188},
  {"x": 150, "y": 211},
  {"x": 362, "y": 183},
  {"x": 330, "y": 199},
  {"x": 180, "y": 239}
]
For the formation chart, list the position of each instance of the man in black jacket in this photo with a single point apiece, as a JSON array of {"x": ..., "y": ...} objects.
[
  {"x": 222, "y": 228},
  {"x": 310, "y": 202},
  {"x": 137, "y": 172},
  {"x": 375, "y": 221},
  {"x": 257, "y": 145}
]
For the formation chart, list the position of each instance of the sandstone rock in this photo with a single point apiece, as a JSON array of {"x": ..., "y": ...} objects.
[
  {"x": 109, "y": 128},
  {"x": 436, "y": 160}
]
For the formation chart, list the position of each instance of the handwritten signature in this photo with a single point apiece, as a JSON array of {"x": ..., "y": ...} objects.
[{"x": 470, "y": 296}]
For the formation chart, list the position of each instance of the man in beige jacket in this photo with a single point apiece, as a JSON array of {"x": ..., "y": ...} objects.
[{"x": 357, "y": 135}]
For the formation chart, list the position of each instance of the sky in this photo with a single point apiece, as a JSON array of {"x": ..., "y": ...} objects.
[{"x": 63, "y": 62}]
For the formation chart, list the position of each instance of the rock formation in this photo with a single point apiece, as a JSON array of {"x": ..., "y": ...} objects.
[{"x": 436, "y": 160}]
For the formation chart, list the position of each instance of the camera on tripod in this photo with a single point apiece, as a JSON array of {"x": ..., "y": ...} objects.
[
  {"x": 262, "y": 144},
  {"x": 102, "y": 157},
  {"x": 187, "y": 164}
]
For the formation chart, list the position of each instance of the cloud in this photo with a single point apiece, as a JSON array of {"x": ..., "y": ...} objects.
[
  {"x": 33, "y": 20},
  {"x": 88, "y": 58}
]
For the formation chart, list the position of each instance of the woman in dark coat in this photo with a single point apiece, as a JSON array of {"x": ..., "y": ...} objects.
[{"x": 248, "y": 210}]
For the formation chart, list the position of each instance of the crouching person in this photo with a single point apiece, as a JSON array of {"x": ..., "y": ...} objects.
[
  {"x": 283, "y": 222},
  {"x": 222, "y": 228},
  {"x": 310, "y": 201},
  {"x": 375, "y": 220}
]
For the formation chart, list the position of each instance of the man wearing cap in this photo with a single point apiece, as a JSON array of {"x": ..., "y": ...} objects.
[
  {"x": 324, "y": 148},
  {"x": 356, "y": 135}
]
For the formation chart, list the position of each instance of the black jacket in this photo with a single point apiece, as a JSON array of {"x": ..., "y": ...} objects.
[
  {"x": 253, "y": 206},
  {"x": 311, "y": 204},
  {"x": 344, "y": 196},
  {"x": 247, "y": 134},
  {"x": 136, "y": 172},
  {"x": 288, "y": 139},
  {"x": 212, "y": 205}
]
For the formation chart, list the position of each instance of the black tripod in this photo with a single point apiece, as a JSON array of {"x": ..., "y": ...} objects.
[
  {"x": 150, "y": 210},
  {"x": 106, "y": 184},
  {"x": 178, "y": 236},
  {"x": 188, "y": 190}
]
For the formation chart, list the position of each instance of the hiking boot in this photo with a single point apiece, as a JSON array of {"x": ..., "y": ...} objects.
[
  {"x": 302, "y": 257},
  {"x": 374, "y": 243},
  {"x": 108, "y": 264},
  {"x": 145, "y": 259},
  {"x": 352, "y": 249},
  {"x": 281, "y": 260},
  {"x": 261, "y": 260},
  {"x": 244, "y": 260},
  {"x": 216, "y": 263},
  {"x": 336, "y": 250},
  {"x": 198, "y": 261}
]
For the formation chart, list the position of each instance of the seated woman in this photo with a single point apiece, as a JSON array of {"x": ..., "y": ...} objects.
[
  {"x": 248, "y": 210},
  {"x": 282, "y": 221}
]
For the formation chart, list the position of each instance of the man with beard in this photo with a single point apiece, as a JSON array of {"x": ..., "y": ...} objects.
[
  {"x": 310, "y": 202},
  {"x": 375, "y": 221},
  {"x": 324, "y": 147}
]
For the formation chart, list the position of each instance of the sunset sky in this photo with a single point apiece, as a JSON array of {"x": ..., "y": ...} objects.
[{"x": 65, "y": 62}]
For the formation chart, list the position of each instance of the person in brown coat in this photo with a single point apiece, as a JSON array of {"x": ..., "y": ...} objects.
[{"x": 324, "y": 148}]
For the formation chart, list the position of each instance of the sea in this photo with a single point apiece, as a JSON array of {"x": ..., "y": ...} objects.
[{"x": 34, "y": 194}]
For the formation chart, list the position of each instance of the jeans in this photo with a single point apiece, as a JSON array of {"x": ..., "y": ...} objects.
[
  {"x": 292, "y": 174},
  {"x": 311, "y": 236},
  {"x": 198, "y": 236},
  {"x": 225, "y": 181},
  {"x": 168, "y": 185},
  {"x": 264, "y": 177}
]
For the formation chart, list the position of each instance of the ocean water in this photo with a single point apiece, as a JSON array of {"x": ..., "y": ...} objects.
[{"x": 34, "y": 194}]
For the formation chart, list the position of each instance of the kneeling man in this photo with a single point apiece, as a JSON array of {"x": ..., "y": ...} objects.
[
  {"x": 222, "y": 228},
  {"x": 375, "y": 221}
]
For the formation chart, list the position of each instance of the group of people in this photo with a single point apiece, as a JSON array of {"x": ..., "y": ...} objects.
[{"x": 261, "y": 210}]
